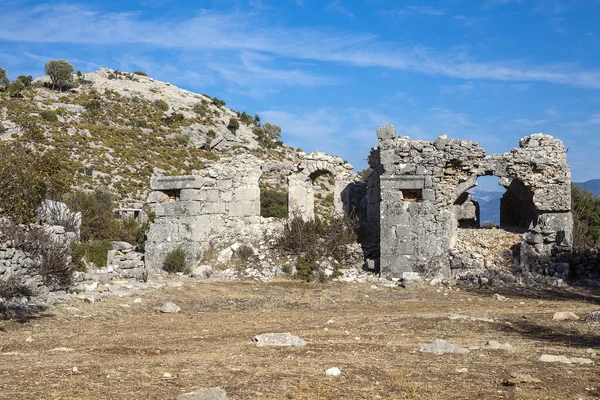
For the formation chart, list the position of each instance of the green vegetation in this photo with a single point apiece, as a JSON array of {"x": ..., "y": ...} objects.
[
  {"x": 586, "y": 219},
  {"x": 316, "y": 240},
  {"x": 176, "y": 261},
  {"x": 161, "y": 105},
  {"x": 94, "y": 252},
  {"x": 218, "y": 102},
  {"x": 49, "y": 115},
  {"x": 233, "y": 124},
  {"x": 273, "y": 203},
  {"x": 28, "y": 176},
  {"x": 4, "y": 81},
  {"x": 268, "y": 135},
  {"x": 140, "y": 73},
  {"x": 59, "y": 72}
]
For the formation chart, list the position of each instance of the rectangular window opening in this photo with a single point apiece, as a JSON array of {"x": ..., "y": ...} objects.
[{"x": 412, "y": 195}]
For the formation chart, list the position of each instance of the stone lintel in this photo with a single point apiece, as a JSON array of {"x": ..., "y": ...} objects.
[
  {"x": 176, "y": 182},
  {"x": 404, "y": 182}
]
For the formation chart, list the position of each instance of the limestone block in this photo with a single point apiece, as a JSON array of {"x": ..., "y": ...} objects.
[
  {"x": 157, "y": 197},
  {"x": 247, "y": 194},
  {"x": 242, "y": 209},
  {"x": 178, "y": 209},
  {"x": 193, "y": 195},
  {"x": 176, "y": 182},
  {"x": 163, "y": 232},
  {"x": 225, "y": 184},
  {"x": 214, "y": 208},
  {"x": 213, "y": 195},
  {"x": 385, "y": 133}
]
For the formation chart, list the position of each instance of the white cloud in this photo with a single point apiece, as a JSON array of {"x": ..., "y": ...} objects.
[
  {"x": 210, "y": 31},
  {"x": 594, "y": 119},
  {"x": 337, "y": 7},
  {"x": 424, "y": 10}
]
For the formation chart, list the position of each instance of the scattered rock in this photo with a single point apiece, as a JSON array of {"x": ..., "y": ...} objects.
[
  {"x": 215, "y": 393},
  {"x": 593, "y": 317},
  {"x": 493, "y": 345},
  {"x": 516, "y": 378},
  {"x": 591, "y": 352},
  {"x": 60, "y": 350},
  {"x": 167, "y": 375},
  {"x": 469, "y": 318},
  {"x": 440, "y": 346},
  {"x": 565, "y": 316},
  {"x": 202, "y": 272},
  {"x": 462, "y": 370},
  {"x": 333, "y": 372},
  {"x": 277, "y": 339},
  {"x": 169, "y": 307},
  {"x": 499, "y": 297},
  {"x": 564, "y": 359}
]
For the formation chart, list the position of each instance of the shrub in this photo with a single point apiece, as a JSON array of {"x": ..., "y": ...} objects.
[
  {"x": 307, "y": 267},
  {"x": 15, "y": 88},
  {"x": 12, "y": 287},
  {"x": 161, "y": 105},
  {"x": 140, "y": 73},
  {"x": 233, "y": 124},
  {"x": 586, "y": 219},
  {"x": 244, "y": 253},
  {"x": 4, "y": 81},
  {"x": 183, "y": 139},
  {"x": 273, "y": 203},
  {"x": 201, "y": 109},
  {"x": 97, "y": 219},
  {"x": 316, "y": 239},
  {"x": 40, "y": 176},
  {"x": 49, "y": 115},
  {"x": 218, "y": 102},
  {"x": 246, "y": 119},
  {"x": 27, "y": 80},
  {"x": 174, "y": 118},
  {"x": 176, "y": 261}
]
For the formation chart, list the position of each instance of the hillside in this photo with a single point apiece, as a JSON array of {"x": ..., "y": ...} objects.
[
  {"x": 592, "y": 186},
  {"x": 121, "y": 128}
]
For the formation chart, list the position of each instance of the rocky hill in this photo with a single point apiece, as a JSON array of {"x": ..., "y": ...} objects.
[
  {"x": 592, "y": 186},
  {"x": 121, "y": 128}
]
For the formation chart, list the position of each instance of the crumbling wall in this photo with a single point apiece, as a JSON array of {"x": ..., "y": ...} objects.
[
  {"x": 420, "y": 183},
  {"x": 301, "y": 194},
  {"x": 218, "y": 206}
]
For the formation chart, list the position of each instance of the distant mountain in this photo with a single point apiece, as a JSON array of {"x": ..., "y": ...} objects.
[
  {"x": 592, "y": 186},
  {"x": 489, "y": 205}
]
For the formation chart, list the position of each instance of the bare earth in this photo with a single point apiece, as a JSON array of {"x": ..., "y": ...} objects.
[{"x": 121, "y": 349}]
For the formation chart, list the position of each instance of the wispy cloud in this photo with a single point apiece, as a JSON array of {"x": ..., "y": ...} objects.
[
  {"x": 424, "y": 10},
  {"x": 337, "y": 7},
  {"x": 210, "y": 31},
  {"x": 594, "y": 119}
]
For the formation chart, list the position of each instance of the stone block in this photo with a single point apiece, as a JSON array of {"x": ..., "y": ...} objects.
[
  {"x": 176, "y": 182},
  {"x": 214, "y": 208},
  {"x": 242, "y": 209},
  {"x": 157, "y": 197},
  {"x": 192, "y": 195},
  {"x": 178, "y": 209},
  {"x": 246, "y": 194}
]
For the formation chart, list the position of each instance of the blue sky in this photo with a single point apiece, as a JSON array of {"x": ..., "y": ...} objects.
[{"x": 329, "y": 72}]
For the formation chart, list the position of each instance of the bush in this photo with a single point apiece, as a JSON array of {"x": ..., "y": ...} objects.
[
  {"x": 97, "y": 218},
  {"x": 218, "y": 102},
  {"x": 4, "y": 81},
  {"x": 40, "y": 176},
  {"x": 246, "y": 119},
  {"x": 49, "y": 115},
  {"x": 176, "y": 261},
  {"x": 15, "y": 88},
  {"x": 161, "y": 105},
  {"x": 201, "y": 109},
  {"x": 174, "y": 118},
  {"x": 314, "y": 240},
  {"x": 95, "y": 252},
  {"x": 27, "y": 80},
  {"x": 307, "y": 267},
  {"x": 140, "y": 73},
  {"x": 52, "y": 257},
  {"x": 273, "y": 203},
  {"x": 233, "y": 124},
  {"x": 586, "y": 219},
  {"x": 12, "y": 287}
]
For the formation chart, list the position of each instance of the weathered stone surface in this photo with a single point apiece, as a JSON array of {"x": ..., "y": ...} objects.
[
  {"x": 593, "y": 317},
  {"x": 169, "y": 308},
  {"x": 176, "y": 182},
  {"x": 565, "y": 316},
  {"x": 440, "y": 346},
  {"x": 418, "y": 188},
  {"x": 277, "y": 339},
  {"x": 204, "y": 394},
  {"x": 564, "y": 359},
  {"x": 494, "y": 345}
]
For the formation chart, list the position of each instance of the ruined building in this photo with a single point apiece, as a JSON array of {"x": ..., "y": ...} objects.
[
  {"x": 410, "y": 210},
  {"x": 417, "y": 198}
]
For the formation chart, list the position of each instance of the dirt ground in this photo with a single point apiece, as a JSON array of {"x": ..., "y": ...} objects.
[{"x": 120, "y": 349}]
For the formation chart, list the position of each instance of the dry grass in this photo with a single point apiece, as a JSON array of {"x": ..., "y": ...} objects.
[{"x": 122, "y": 352}]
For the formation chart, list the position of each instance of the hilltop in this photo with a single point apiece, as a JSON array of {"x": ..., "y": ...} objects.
[
  {"x": 120, "y": 128},
  {"x": 592, "y": 186}
]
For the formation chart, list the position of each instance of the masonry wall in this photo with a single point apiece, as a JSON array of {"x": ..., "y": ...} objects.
[
  {"x": 221, "y": 205},
  {"x": 420, "y": 183}
]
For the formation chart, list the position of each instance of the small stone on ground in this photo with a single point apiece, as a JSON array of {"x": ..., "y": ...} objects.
[
  {"x": 277, "y": 339},
  {"x": 333, "y": 372},
  {"x": 565, "y": 316},
  {"x": 564, "y": 359},
  {"x": 169, "y": 307},
  {"x": 215, "y": 393},
  {"x": 440, "y": 346}
]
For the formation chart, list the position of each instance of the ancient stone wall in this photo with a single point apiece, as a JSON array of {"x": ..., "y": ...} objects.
[
  {"x": 217, "y": 207},
  {"x": 421, "y": 184},
  {"x": 301, "y": 194}
]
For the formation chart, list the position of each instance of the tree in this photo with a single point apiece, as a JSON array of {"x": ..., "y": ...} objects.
[
  {"x": 586, "y": 219},
  {"x": 28, "y": 176},
  {"x": 15, "y": 88},
  {"x": 27, "y": 80},
  {"x": 273, "y": 132},
  {"x": 59, "y": 72},
  {"x": 4, "y": 81}
]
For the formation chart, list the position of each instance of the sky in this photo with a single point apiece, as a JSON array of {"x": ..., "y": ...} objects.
[{"x": 329, "y": 72}]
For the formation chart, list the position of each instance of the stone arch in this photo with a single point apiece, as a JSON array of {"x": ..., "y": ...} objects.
[{"x": 301, "y": 193}]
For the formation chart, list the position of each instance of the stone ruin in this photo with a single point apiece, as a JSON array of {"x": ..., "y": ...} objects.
[
  {"x": 417, "y": 197},
  {"x": 410, "y": 210},
  {"x": 220, "y": 206}
]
